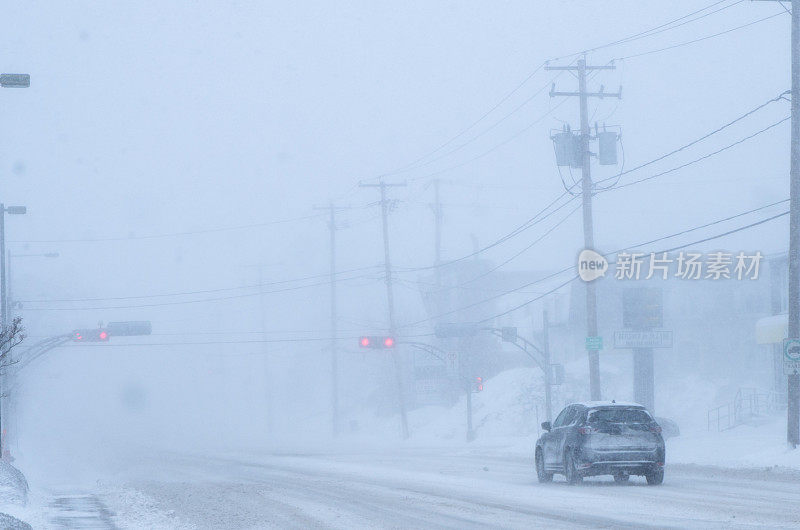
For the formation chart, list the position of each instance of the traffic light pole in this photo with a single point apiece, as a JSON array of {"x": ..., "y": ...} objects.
[
  {"x": 470, "y": 430},
  {"x": 586, "y": 193},
  {"x": 548, "y": 372},
  {"x": 401, "y": 402}
]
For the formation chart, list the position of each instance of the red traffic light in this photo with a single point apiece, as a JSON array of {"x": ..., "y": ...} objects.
[
  {"x": 377, "y": 343},
  {"x": 478, "y": 384},
  {"x": 90, "y": 335}
]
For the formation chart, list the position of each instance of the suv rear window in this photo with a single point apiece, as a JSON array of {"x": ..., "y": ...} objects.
[{"x": 619, "y": 415}]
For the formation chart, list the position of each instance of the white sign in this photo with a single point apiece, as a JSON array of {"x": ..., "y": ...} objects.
[
  {"x": 791, "y": 356},
  {"x": 643, "y": 339}
]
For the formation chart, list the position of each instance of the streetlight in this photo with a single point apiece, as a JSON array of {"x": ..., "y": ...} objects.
[
  {"x": 12, "y": 210},
  {"x": 7, "y": 81}
]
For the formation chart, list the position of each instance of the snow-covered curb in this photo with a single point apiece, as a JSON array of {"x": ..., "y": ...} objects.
[{"x": 133, "y": 509}]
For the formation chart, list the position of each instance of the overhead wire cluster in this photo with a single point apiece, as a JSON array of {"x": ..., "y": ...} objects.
[{"x": 422, "y": 166}]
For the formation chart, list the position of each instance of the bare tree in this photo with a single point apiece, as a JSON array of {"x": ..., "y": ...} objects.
[{"x": 11, "y": 337}]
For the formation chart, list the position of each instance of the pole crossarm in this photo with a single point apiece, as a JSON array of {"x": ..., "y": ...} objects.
[
  {"x": 382, "y": 185},
  {"x": 576, "y": 67},
  {"x": 600, "y": 94}
]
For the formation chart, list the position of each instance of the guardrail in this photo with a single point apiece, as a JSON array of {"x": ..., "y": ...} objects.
[{"x": 749, "y": 403}]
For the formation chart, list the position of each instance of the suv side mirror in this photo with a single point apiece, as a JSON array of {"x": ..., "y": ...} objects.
[{"x": 546, "y": 425}]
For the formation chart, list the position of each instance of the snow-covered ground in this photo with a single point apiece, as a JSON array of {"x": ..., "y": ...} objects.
[
  {"x": 507, "y": 415},
  {"x": 431, "y": 488},
  {"x": 745, "y": 476}
]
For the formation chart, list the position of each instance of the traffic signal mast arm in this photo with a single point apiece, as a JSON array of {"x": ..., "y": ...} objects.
[
  {"x": 40, "y": 348},
  {"x": 524, "y": 346},
  {"x": 430, "y": 349}
]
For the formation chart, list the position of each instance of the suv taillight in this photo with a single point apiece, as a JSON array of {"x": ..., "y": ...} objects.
[
  {"x": 586, "y": 430},
  {"x": 655, "y": 428}
]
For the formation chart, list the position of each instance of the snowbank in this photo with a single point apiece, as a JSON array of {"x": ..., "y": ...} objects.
[{"x": 507, "y": 415}]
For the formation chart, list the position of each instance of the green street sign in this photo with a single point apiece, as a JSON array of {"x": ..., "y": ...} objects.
[
  {"x": 594, "y": 343},
  {"x": 791, "y": 356}
]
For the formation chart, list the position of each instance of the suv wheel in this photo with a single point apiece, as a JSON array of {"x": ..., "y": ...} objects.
[
  {"x": 655, "y": 478},
  {"x": 570, "y": 473},
  {"x": 541, "y": 474}
]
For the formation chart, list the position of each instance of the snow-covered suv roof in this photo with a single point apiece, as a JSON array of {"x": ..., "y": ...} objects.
[{"x": 596, "y": 404}]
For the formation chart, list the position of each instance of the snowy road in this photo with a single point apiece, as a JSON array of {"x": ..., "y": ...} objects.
[{"x": 441, "y": 489}]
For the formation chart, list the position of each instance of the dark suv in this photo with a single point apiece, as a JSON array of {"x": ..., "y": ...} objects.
[{"x": 601, "y": 438}]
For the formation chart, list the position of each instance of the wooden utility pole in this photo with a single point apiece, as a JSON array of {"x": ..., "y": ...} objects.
[
  {"x": 586, "y": 192},
  {"x": 401, "y": 401},
  {"x": 793, "y": 394},
  {"x": 437, "y": 215},
  {"x": 334, "y": 317},
  {"x": 793, "y": 390}
]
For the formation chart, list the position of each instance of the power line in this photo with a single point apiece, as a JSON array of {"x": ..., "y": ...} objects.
[
  {"x": 693, "y": 41},
  {"x": 200, "y": 291},
  {"x": 185, "y": 302},
  {"x": 644, "y": 33},
  {"x": 172, "y": 234},
  {"x": 729, "y": 232},
  {"x": 532, "y": 221},
  {"x": 524, "y": 226},
  {"x": 483, "y": 132},
  {"x": 571, "y": 267},
  {"x": 696, "y": 160},
  {"x": 472, "y": 125},
  {"x": 719, "y": 129},
  {"x": 516, "y": 255},
  {"x": 491, "y": 149}
]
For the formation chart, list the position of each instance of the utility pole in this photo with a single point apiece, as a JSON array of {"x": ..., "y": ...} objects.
[
  {"x": 268, "y": 368},
  {"x": 334, "y": 317},
  {"x": 793, "y": 394},
  {"x": 401, "y": 402},
  {"x": 586, "y": 193},
  {"x": 548, "y": 369},
  {"x": 437, "y": 216},
  {"x": 643, "y": 378}
]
